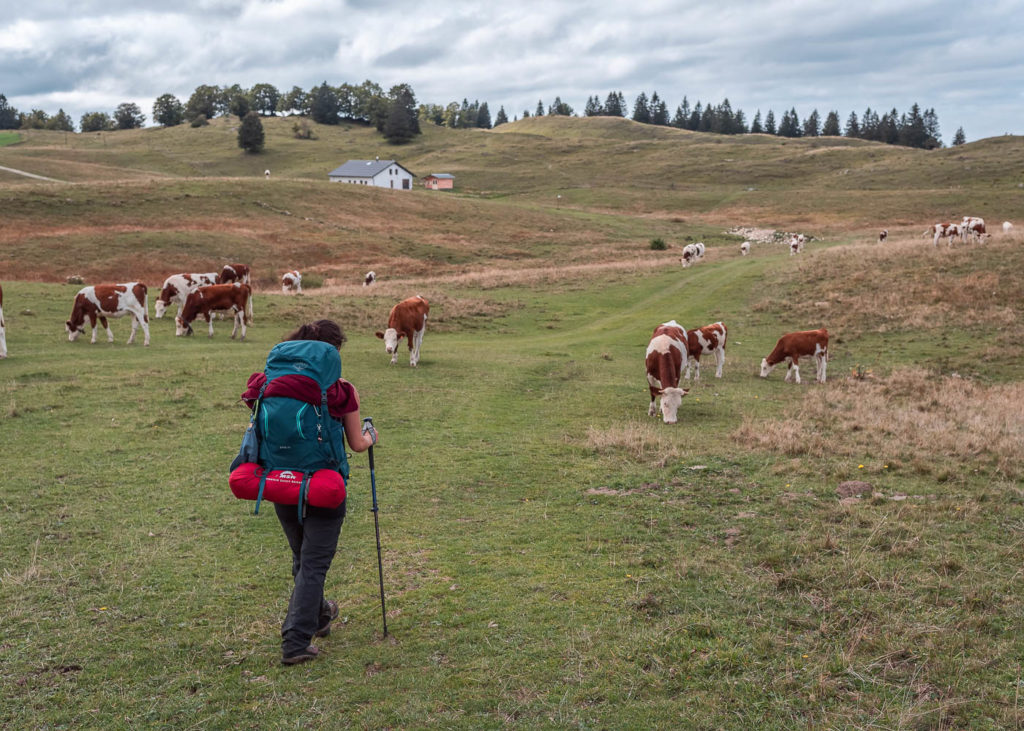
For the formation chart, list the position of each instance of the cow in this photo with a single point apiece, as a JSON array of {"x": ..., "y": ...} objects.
[
  {"x": 796, "y": 244},
  {"x": 972, "y": 227},
  {"x": 235, "y": 298},
  {"x": 692, "y": 253},
  {"x": 1007, "y": 227},
  {"x": 3, "y": 329},
  {"x": 745, "y": 248},
  {"x": 110, "y": 300},
  {"x": 369, "y": 279},
  {"x": 883, "y": 235},
  {"x": 704, "y": 341},
  {"x": 266, "y": 174},
  {"x": 666, "y": 353},
  {"x": 408, "y": 319},
  {"x": 177, "y": 288},
  {"x": 233, "y": 273},
  {"x": 794, "y": 346},
  {"x": 291, "y": 281},
  {"x": 944, "y": 231}
]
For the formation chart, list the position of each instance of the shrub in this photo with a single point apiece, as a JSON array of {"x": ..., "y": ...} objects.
[
  {"x": 658, "y": 244},
  {"x": 200, "y": 121}
]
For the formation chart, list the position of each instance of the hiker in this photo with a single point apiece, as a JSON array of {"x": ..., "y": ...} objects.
[{"x": 312, "y": 534}]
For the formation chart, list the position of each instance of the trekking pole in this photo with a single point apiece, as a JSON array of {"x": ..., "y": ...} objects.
[{"x": 376, "y": 529}]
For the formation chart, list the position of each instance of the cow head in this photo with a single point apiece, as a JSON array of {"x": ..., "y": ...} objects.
[
  {"x": 390, "y": 338},
  {"x": 73, "y": 330},
  {"x": 765, "y": 368},
  {"x": 181, "y": 327},
  {"x": 159, "y": 308},
  {"x": 671, "y": 398}
]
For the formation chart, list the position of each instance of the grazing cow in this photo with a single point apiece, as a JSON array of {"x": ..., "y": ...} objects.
[
  {"x": 177, "y": 288},
  {"x": 233, "y": 273},
  {"x": 972, "y": 227},
  {"x": 3, "y": 330},
  {"x": 266, "y": 174},
  {"x": 408, "y": 319},
  {"x": 665, "y": 356},
  {"x": 291, "y": 281},
  {"x": 235, "y": 298},
  {"x": 704, "y": 341},
  {"x": 110, "y": 300},
  {"x": 1007, "y": 227},
  {"x": 369, "y": 279},
  {"x": 883, "y": 235},
  {"x": 792, "y": 347},
  {"x": 692, "y": 253},
  {"x": 944, "y": 231},
  {"x": 796, "y": 244},
  {"x": 745, "y": 248}
]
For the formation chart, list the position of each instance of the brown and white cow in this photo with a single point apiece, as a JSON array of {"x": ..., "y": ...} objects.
[
  {"x": 110, "y": 300},
  {"x": 666, "y": 353},
  {"x": 234, "y": 298},
  {"x": 793, "y": 347},
  {"x": 883, "y": 235},
  {"x": 3, "y": 327},
  {"x": 745, "y": 248},
  {"x": 796, "y": 244},
  {"x": 233, "y": 273},
  {"x": 291, "y": 281},
  {"x": 944, "y": 231},
  {"x": 369, "y": 279},
  {"x": 704, "y": 341},
  {"x": 408, "y": 319},
  {"x": 972, "y": 227},
  {"x": 177, "y": 288},
  {"x": 692, "y": 253}
]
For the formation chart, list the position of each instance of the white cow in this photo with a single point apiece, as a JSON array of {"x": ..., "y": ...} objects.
[
  {"x": 745, "y": 248},
  {"x": 369, "y": 279},
  {"x": 796, "y": 244},
  {"x": 1007, "y": 227},
  {"x": 178, "y": 287},
  {"x": 291, "y": 281},
  {"x": 972, "y": 227},
  {"x": 109, "y": 300},
  {"x": 944, "y": 231},
  {"x": 692, "y": 253}
]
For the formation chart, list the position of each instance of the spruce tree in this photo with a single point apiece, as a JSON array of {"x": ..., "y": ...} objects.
[
  {"x": 756, "y": 127},
  {"x": 250, "y": 133},
  {"x": 641, "y": 110},
  {"x": 613, "y": 105},
  {"x": 324, "y": 105},
  {"x": 831, "y": 126},
  {"x": 769, "y": 123},
  {"x": 959, "y": 138},
  {"x": 852, "y": 126},
  {"x": 593, "y": 108},
  {"x": 500, "y": 117},
  {"x": 483, "y": 117},
  {"x": 403, "y": 122},
  {"x": 540, "y": 109},
  {"x": 812, "y": 125}
]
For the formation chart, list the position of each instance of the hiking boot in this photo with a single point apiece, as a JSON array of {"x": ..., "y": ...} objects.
[
  {"x": 310, "y": 653},
  {"x": 326, "y": 619}
]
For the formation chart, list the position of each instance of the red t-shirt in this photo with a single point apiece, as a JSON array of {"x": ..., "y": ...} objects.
[{"x": 341, "y": 396}]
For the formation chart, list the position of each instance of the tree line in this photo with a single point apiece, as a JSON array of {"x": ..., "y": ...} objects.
[{"x": 396, "y": 114}]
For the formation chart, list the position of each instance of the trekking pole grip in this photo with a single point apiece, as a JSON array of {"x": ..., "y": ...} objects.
[{"x": 368, "y": 420}]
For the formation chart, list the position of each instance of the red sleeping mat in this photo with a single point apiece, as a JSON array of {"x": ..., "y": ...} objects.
[{"x": 326, "y": 488}]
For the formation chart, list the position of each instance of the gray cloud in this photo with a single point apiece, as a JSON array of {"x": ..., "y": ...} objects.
[{"x": 961, "y": 59}]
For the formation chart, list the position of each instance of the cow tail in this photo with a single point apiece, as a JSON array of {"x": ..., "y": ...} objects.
[{"x": 248, "y": 309}]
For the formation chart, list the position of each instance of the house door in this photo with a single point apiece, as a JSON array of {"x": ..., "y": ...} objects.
[
  {"x": 405, "y": 183},
  {"x": 392, "y": 184}
]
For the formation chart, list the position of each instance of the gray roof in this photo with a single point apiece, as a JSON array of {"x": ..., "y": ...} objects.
[
  {"x": 363, "y": 168},
  {"x": 441, "y": 175}
]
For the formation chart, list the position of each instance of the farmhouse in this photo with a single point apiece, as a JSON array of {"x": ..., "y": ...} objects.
[
  {"x": 378, "y": 173},
  {"x": 439, "y": 181}
]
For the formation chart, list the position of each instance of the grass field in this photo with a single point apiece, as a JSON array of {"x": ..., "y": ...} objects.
[{"x": 553, "y": 557}]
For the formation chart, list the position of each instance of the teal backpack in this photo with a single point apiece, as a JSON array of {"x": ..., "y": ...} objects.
[{"x": 295, "y": 435}]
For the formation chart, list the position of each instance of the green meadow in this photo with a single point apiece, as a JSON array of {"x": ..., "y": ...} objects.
[{"x": 553, "y": 556}]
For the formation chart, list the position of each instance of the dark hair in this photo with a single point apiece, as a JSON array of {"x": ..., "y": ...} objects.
[{"x": 327, "y": 331}]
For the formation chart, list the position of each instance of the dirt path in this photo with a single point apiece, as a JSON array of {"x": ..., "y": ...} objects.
[{"x": 30, "y": 175}]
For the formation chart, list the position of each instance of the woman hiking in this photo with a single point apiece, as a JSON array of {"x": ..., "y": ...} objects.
[{"x": 312, "y": 532}]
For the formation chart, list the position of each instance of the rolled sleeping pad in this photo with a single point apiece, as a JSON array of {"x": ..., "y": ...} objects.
[{"x": 326, "y": 488}]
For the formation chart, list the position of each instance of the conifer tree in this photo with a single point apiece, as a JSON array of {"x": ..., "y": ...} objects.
[
  {"x": 402, "y": 123},
  {"x": 769, "y": 123},
  {"x": 959, "y": 138},
  {"x": 8, "y": 115},
  {"x": 483, "y": 117},
  {"x": 831, "y": 126},
  {"x": 593, "y": 108},
  {"x": 756, "y": 127},
  {"x": 540, "y": 109},
  {"x": 641, "y": 110},
  {"x": 613, "y": 105},
  {"x": 852, "y": 126},
  {"x": 659, "y": 110},
  {"x": 812, "y": 125},
  {"x": 500, "y": 117}
]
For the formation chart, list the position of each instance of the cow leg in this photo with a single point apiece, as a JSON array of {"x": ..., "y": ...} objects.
[
  {"x": 686, "y": 365},
  {"x": 696, "y": 368},
  {"x": 720, "y": 357},
  {"x": 135, "y": 328},
  {"x": 417, "y": 339},
  {"x": 209, "y": 319},
  {"x": 652, "y": 411},
  {"x": 822, "y": 367},
  {"x": 144, "y": 322}
]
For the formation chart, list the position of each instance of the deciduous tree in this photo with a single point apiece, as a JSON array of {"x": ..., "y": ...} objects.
[
  {"x": 250, "y": 133},
  {"x": 168, "y": 110},
  {"x": 129, "y": 116}
]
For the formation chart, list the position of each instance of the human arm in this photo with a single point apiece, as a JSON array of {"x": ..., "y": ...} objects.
[{"x": 358, "y": 440}]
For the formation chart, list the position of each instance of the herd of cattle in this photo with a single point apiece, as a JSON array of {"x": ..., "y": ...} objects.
[
  {"x": 672, "y": 349},
  {"x": 971, "y": 228},
  {"x": 204, "y": 296}
]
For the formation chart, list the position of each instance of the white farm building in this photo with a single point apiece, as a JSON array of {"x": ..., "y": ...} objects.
[{"x": 378, "y": 173}]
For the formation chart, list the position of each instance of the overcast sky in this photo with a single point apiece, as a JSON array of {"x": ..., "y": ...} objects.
[{"x": 964, "y": 59}]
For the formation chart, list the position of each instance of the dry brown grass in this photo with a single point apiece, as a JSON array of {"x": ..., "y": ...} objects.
[
  {"x": 644, "y": 441},
  {"x": 913, "y": 418},
  {"x": 909, "y": 284}
]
